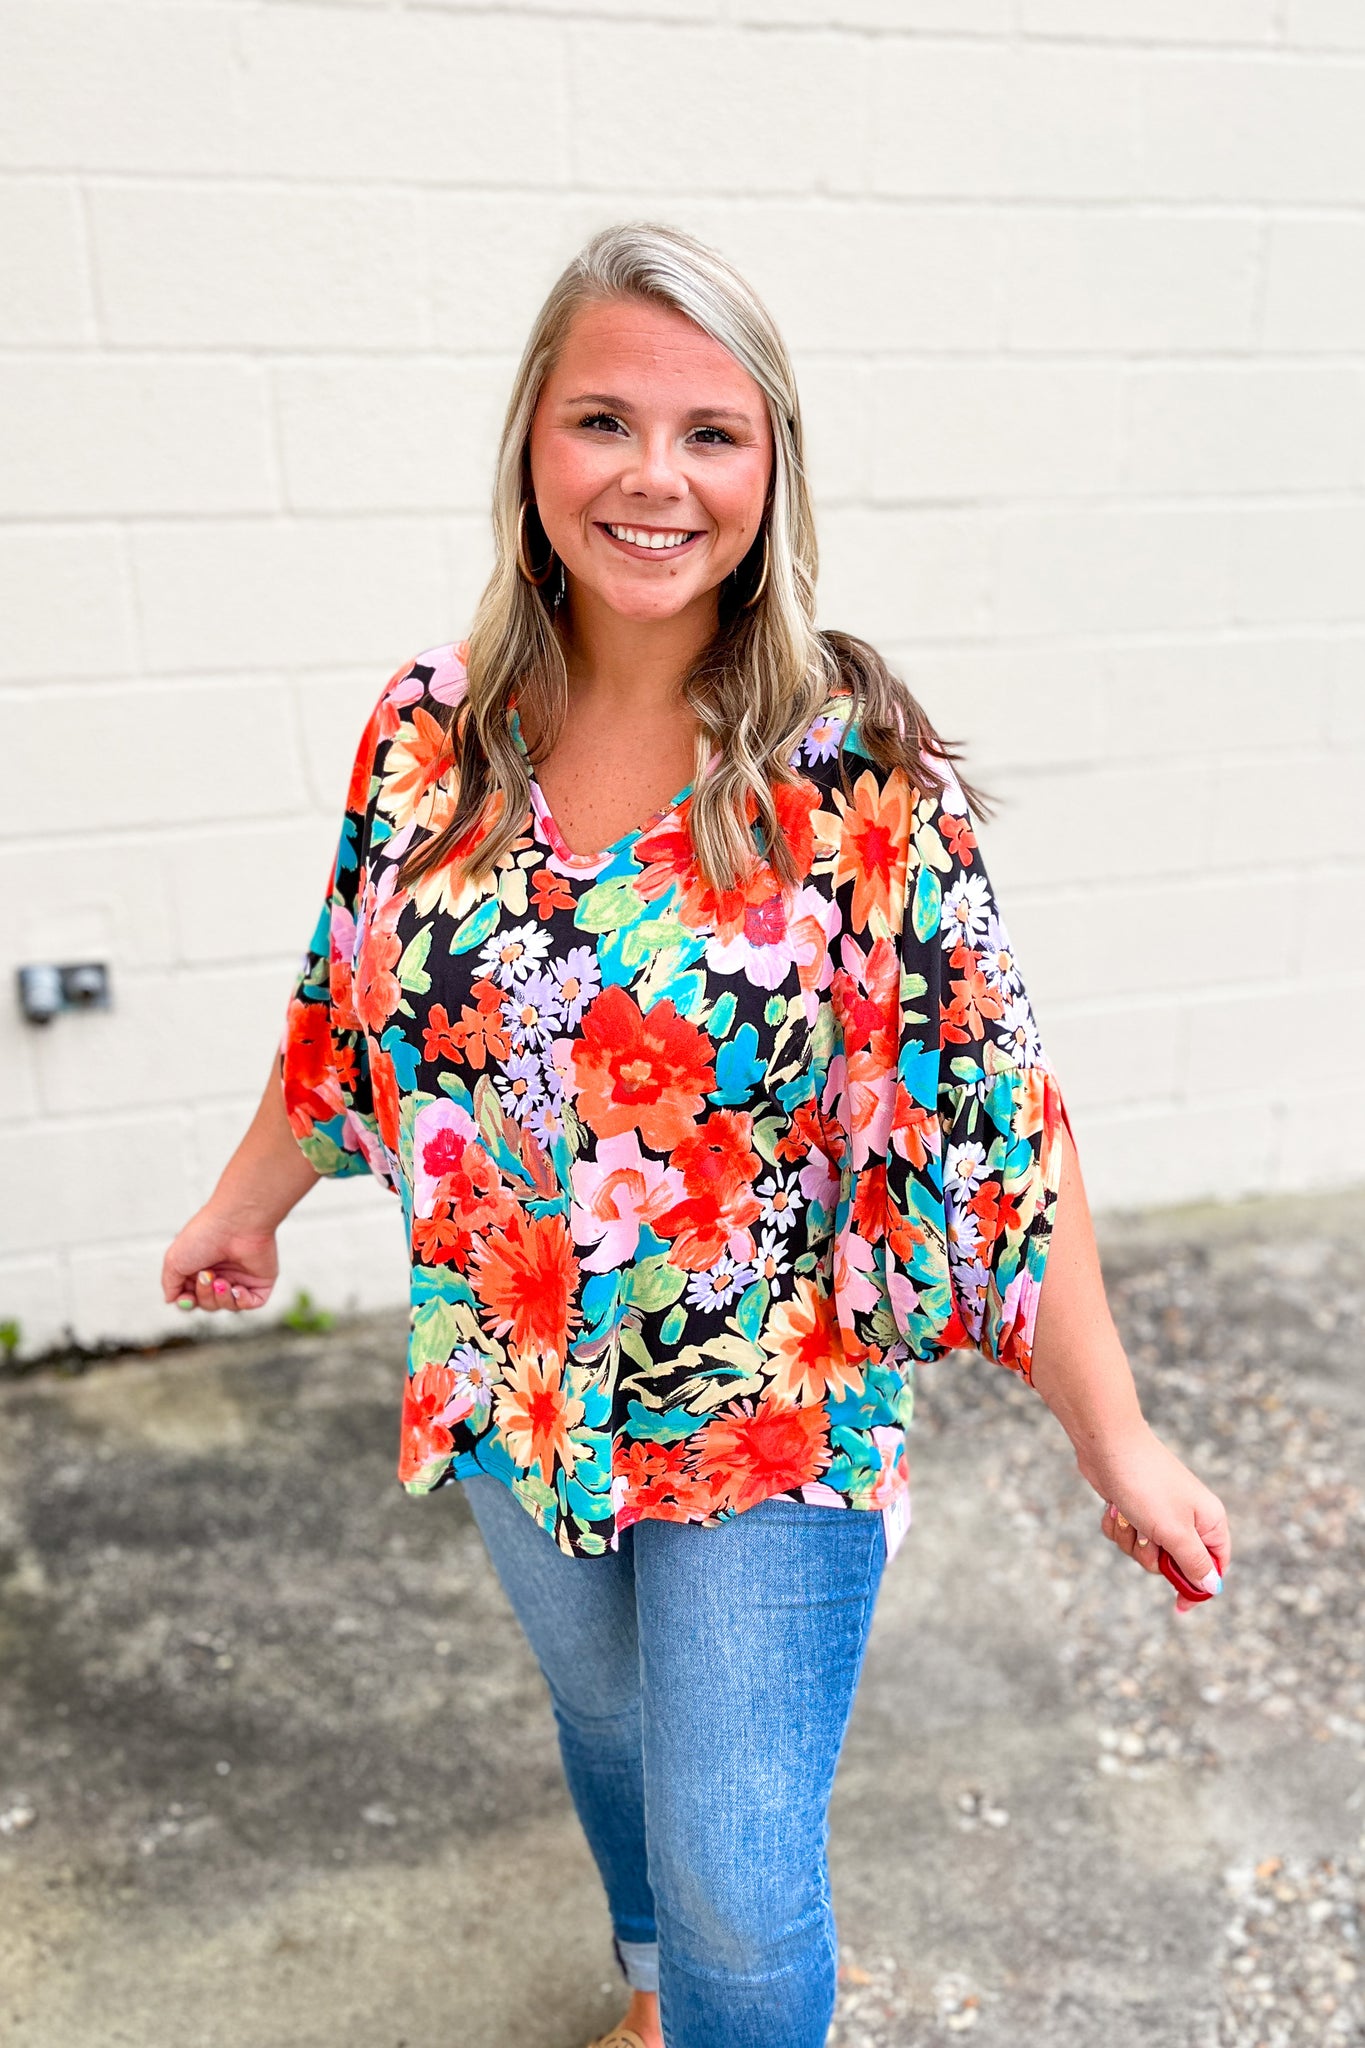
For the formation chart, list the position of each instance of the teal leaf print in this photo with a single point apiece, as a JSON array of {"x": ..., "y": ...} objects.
[
  {"x": 722, "y": 1014},
  {"x": 657, "y": 1426},
  {"x": 738, "y": 1068},
  {"x": 919, "y": 1071},
  {"x": 928, "y": 904},
  {"x": 753, "y": 1309},
  {"x": 407, "y": 1059},
  {"x": 477, "y": 926}
]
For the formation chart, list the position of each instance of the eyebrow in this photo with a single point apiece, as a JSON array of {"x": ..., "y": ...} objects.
[{"x": 699, "y": 412}]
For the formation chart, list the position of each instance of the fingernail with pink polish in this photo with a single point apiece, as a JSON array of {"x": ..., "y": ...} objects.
[
  {"x": 220, "y": 1286},
  {"x": 1212, "y": 1582}
]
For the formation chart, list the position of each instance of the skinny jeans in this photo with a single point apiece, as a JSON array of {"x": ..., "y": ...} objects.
[{"x": 701, "y": 1682}]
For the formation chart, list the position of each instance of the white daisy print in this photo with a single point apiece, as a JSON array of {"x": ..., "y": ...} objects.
[
  {"x": 511, "y": 955},
  {"x": 964, "y": 1169},
  {"x": 725, "y": 1281},
  {"x": 966, "y": 911},
  {"x": 781, "y": 1200},
  {"x": 1018, "y": 1032},
  {"x": 998, "y": 963}
]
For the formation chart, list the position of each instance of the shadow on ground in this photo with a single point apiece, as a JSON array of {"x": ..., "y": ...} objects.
[{"x": 277, "y": 1770}]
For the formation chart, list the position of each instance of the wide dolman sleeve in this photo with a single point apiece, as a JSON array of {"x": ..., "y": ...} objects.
[
  {"x": 950, "y": 1107},
  {"x": 334, "y": 1091}
]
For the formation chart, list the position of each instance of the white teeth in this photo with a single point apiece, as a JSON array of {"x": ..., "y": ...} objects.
[{"x": 648, "y": 540}]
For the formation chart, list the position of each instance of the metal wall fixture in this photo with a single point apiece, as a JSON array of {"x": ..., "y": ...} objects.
[{"x": 43, "y": 991}]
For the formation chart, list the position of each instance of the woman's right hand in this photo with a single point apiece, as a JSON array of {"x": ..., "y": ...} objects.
[{"x": 216, "y": 1263}]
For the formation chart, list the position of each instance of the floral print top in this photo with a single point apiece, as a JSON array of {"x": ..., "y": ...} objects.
[{"x": 690, "y": 1180}]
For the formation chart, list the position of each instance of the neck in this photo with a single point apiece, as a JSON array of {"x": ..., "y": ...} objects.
[{"x": 623, "y": 665}]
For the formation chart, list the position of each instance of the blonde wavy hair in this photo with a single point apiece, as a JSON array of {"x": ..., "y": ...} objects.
[{"x": 765, "y": 675}]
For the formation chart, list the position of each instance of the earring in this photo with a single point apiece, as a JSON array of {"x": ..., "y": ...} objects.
[
  {"x": 521, "y": 564},
  {"x": 758, "y": 591}
]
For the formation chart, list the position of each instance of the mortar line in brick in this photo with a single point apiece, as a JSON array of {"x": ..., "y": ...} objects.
[
  {"x": 279, "y": 476},
  {"x": 1260, "y": 287},
  {"x": 90, "y": 264},
  {"x": 1139, "y": 205}
]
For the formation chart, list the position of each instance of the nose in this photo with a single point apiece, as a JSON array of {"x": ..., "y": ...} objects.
[{"x": 654, "y": 469}]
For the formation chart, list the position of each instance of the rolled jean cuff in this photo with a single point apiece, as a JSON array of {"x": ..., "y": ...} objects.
[{"x": 639, "y": 1961}]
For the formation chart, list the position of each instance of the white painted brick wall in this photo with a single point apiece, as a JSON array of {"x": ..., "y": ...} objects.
[{"x": 1076, "y": 290}]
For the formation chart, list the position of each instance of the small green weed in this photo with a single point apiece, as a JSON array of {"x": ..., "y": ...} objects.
[{"x": 306, "y": 1316}]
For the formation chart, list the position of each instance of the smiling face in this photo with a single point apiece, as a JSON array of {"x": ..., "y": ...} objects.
[{"x": 650, "y": 457}]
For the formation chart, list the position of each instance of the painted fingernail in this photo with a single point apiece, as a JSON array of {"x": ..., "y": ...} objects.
[
  {"x": 206, "y": 1276},
  {"x": 1142, "y": 1540},
  {"x": 1123, "y": 1521},
  {"x": 1212, "y": 1582},
  {"x": 185, "y": 1301},
  {"x": 1112, "y": 1509},
  {"x": 220, "y": 1287}
]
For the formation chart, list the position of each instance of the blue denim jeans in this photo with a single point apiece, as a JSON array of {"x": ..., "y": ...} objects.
[{"x": 701, "y": 1681}]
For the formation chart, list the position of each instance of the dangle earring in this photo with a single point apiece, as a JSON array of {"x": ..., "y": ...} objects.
[
  {"x": 758, "y": 588},
  {"x": 544, "y": 576}
]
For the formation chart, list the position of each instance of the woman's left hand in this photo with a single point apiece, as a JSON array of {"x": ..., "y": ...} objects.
[{"x": 1151, "y": 1498}]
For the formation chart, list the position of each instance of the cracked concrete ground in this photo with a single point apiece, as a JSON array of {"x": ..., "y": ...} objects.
[{"x": 276, "y": 1766}]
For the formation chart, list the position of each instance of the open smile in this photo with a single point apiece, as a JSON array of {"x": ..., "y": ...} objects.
[{"x": 649, "y": 542}]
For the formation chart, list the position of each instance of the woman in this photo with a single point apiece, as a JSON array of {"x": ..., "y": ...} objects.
[{"x": 660, "y": 976}]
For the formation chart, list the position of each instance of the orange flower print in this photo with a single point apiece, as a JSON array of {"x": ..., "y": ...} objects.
[
  {"x": 916, "y": 1132},
  {"x": 655, "y": 1480},
  {"x": 870, "y": 1211},
  {"x": 958, "y": 837},
  {"x": 441, "y": 1239},
  {"x": 718, "y": 1166},
  {"x": 438, "y": 1037},
  {"x": 973, "y": 1002},
  {"x": 995, "y": 1211},
  {"x": 802, "y": 1338},
  {"x": 312, "y": 1094},
  {"x": 752, "y": 1450},
  {"x": 431, "y": 1404},
  {"x": 384, "y": 1086},
  {"x": 536, "y": 1414},
  {"x": 870, "y": 1019},
  {"x": 526, "y": 1276},
  {"x": 874, "y": 847},
  {"x": 754, "y": 911},
  {"x": 640, "y": 1070},
  {"x": 549, "y": 893},
  {"x": 376, "y": 990},
  {"x": 417, "y": 758},
  {"x": 362, "y": 768}
]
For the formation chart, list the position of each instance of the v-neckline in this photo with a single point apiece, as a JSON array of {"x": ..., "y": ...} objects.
[{"x": 563, "y": 851}]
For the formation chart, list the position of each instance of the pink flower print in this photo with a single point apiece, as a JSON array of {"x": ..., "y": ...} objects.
[
  {"x": 614, "y": 1195},
  {"x": 440, "y": 1134}
]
